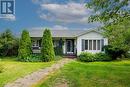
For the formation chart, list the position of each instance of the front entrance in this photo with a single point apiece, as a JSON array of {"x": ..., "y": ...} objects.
[{"x": 70, "y": 46}]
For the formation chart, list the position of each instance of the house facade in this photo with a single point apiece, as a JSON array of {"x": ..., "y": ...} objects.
[{"x": 73, "y": 41}]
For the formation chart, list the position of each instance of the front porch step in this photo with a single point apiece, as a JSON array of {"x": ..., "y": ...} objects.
[{"x": 70, "y": 56}]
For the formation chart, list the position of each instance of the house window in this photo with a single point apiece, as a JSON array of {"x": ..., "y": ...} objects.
[
  {"x": 93, "y": 44},
  {"x": 35, "y": 43},
  {"x": 98, "y": 45},
  {"x": 102, "y": 44},
  {"x": 90, "y": 44},
  {"x": 86, "y": 44}
]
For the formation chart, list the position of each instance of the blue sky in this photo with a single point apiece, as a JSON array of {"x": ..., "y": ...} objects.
[{"x": 55, "y": 14}]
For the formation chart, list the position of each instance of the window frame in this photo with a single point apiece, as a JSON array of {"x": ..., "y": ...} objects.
[{"x": 88, "y": 49}]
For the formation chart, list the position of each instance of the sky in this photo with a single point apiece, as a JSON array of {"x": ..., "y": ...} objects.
[{"x": 54, "y": 14}]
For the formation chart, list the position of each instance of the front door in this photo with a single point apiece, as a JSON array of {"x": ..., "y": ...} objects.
[{"x": 70, "y": 46}]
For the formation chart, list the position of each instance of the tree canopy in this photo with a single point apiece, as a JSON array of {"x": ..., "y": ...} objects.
[
  {"x": 109, "y": 11},
  {"x": 8, "y": 43}
]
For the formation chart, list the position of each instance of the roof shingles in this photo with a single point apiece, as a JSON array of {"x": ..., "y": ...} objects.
[{"x": 57, "y": 33}]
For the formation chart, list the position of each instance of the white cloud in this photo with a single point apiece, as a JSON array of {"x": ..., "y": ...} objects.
[
  {"x": 8, "y": 17},
  {"x": 59, "y": 27},
  {"x": 41, "y": 1},
  {"x": 66, "y": 13},
  {"x": 55, "y": 27}
]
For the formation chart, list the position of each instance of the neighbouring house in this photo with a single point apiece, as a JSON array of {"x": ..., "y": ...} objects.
[{"x": 74, "y": 41}]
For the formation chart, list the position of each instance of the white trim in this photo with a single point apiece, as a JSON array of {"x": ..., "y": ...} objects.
[
  {"x": 88, "y": 45},
  {"x": 101, "y": 44},
  {"x": 92, "y": 44},
  {"x": 91, "y": 30}
]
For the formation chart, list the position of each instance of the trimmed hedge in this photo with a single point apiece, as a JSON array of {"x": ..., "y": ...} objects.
[
  {"x": 89, "y": 57},
  {"x": 102, "y": 57},
  {"x": 86, "y": 57}
]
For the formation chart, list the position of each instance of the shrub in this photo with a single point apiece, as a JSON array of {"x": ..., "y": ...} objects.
[
  {"x": 102, "y": 57},
  {"x": 127, "y": 55},
  {"x": 58, "y": 51},
  {"x": 32, "y": 58},
  {"x": 47, "y": 50},
  {"x": 89, "y": 57},
  {"x": 24, "y": 51},
  {"x": 86, "y": 57},
  {"x": 114, "y": 52}
]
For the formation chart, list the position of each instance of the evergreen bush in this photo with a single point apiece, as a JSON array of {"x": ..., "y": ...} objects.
[
  {"x": 24, "y": 50},
  {"x": 47, "y": 50}
]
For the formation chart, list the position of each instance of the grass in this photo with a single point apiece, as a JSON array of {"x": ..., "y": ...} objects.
[
  {"x": 14, "y": 69},
  {"x": 94, "y": 74}
]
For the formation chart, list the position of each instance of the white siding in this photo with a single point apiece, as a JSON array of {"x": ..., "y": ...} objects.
[{"x": 92, "y": 36}]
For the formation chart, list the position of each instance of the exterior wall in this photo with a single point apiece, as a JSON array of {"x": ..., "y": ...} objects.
[{"x": 92, "y": 36}]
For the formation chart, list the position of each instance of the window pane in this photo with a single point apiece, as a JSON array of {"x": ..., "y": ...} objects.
[
  {"x": 102, "y": 44},
  {"x": 83, "y": 44},
  {"x": 94, "y": 44},
  {"x": 98, "y": 44},
  {"x": 86, "y": 44},
  {"x": 90, "y": 44}
]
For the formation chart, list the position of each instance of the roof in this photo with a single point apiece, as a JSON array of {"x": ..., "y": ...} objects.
[{"x": 60, "y": 33}]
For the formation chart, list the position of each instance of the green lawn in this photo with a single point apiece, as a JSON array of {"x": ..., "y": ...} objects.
[
  {"x": 14, "y": 69},
  {"x": 94, "y": 74}
]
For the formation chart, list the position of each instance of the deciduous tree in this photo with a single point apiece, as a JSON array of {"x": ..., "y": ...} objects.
[
  {"x": 109, "y": 11},
  {"x": 8, "y": 44}
]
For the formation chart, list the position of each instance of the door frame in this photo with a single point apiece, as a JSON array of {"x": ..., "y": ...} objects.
[{"x": 71, "y": 47}]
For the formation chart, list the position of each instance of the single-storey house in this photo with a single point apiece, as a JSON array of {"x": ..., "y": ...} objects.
[{"x": 75, "y": 41}]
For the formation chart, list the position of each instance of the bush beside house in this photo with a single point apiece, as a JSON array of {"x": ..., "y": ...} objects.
[
  {"x": 47, "y": 51},
  {"x": 89, "y": 57},
  {"x": 102, "y": 57},
  {"x": 24, "y": 51},
  {"x": 115, "y": 52}
]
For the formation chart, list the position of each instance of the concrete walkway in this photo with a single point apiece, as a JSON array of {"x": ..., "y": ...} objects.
[{"x": 35, "y": 77}]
